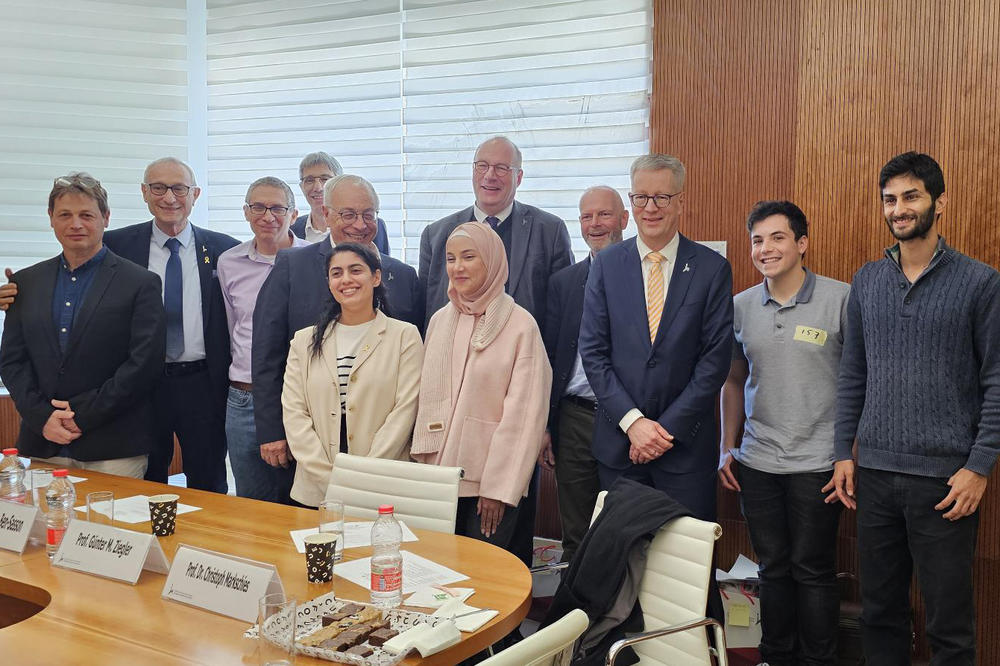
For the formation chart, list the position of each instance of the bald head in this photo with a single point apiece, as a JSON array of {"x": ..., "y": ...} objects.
[{"x": 603, "y": 217}]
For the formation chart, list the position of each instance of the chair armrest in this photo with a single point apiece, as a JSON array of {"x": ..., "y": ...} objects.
[
  {"x": 549, "y": 569},
  {"x": 720, "y": 638}
]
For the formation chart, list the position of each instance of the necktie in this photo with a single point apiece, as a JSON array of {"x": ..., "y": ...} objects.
[
  {"x": 654, "y": 293},
  {"x": 173, "y": 301},
  {"x": 493, "y": 221}
]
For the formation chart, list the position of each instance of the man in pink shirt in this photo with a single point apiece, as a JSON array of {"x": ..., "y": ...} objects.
[{"x": 270, "y": 209}]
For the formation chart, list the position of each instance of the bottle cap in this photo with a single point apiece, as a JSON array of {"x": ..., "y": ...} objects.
[
  {"x": 59, "y": 473},
  {"x": 385, "y": 508},
  {"x": 10, "y": 452}
]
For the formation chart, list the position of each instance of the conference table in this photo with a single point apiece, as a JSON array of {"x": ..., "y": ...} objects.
[{"x": 94, "y": 620}]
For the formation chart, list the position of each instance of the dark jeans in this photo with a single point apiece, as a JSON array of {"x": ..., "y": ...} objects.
[
  {"x": 794, "y": 533},
  {"x": 898, "y": 528},
  {"x": 254, "y": 477}
]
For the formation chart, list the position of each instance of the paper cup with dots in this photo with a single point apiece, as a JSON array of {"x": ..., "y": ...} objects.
[
  {"x": 320, "y": 550},
  {"x": 163, "y": 514}
]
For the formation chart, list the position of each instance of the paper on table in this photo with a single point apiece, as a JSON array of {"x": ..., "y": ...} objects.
[
  {"x": 417, "y": 572},
  {"x": 743, "y": 569},
  {"x": 436, "y": 596},
  {"x": 473, "y": 617},
  {"x": 355, "y": 535},
  {"x": 73, "y": 479},
  {"x": 134, "y": 509}
]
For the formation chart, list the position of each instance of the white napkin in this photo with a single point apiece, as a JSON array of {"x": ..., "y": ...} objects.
[
  {"x": 469, "y": 623},
  {"x": 426, "y": 639}
]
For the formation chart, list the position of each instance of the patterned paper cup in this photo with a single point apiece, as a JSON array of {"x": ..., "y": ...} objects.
[
  {"x": 163, "y": 514},
  {"x": 320, "y": 550}
]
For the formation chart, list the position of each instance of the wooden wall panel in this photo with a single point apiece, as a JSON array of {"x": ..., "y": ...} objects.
[{"x": 806, "y": 100}]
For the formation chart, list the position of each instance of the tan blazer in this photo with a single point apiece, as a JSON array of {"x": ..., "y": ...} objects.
[{"x": 381, "y": 401}]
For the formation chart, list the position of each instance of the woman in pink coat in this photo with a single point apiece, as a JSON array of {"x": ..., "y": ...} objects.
[{"x": 484, "y": 387}]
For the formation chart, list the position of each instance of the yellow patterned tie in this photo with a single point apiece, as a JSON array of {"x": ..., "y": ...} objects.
[{"x": 654, "y": 293}]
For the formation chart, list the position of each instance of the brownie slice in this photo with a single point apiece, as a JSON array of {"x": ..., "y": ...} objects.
[
  {"x": 380, "y": 636},
  {"x": 361, "y": 651},
  {"x": 338, "y": 643}
]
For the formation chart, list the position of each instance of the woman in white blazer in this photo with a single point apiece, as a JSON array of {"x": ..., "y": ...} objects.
[{"x": 355, "y": 362}]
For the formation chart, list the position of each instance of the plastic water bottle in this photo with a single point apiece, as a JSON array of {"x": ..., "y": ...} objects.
[
  {"x": 387, "y": 562},
  {"x": 60, "y": 497},
  {"x": 12, "y": 477}
]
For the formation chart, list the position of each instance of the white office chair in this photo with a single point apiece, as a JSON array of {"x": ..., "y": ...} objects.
[
  {"x": 551, "y": 646},
  {"x": 673, "y": 592},
  {"x": 424, "y": 496}
]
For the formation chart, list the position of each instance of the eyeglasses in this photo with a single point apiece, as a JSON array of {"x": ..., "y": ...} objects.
[
  {"x": 260, "y": 209},
  {"x": 659, "y": 200},
  {"x": 501, "y": 170},
  {"x": 350, "y": 216},
  {"x": 603, "y": 216},
  {"x": 159, "y": 189},
  {"x": 309, "y": 181}
]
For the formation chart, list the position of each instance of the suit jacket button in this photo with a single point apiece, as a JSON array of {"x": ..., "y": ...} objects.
[{"x": 651, "y": 364}]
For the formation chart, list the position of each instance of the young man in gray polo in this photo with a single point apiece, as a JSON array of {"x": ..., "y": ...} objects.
[{"x": 782, "y": 389}]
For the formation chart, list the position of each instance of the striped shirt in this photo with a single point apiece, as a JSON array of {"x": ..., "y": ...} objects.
[{"x": 348, "y": 341}]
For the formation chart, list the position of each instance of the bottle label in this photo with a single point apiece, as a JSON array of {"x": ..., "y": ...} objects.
[
  {"x": 55, "y": 535},
  {"x": 386, "y": 578}
]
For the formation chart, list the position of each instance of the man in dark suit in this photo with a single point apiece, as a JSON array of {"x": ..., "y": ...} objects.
[
  {"x": 571, "y": 409},
  {"x": 83, "y": 343},
  {"x": 537, "y": 242},
  {"x": 191, "y": 397},
  {"x": 656, "y": 342},
  {"x": 295, "y": 293},
  {"x": 314, "y": 170}
]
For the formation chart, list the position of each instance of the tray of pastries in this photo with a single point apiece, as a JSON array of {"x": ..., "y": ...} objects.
[{"x": 346, "y": 631}]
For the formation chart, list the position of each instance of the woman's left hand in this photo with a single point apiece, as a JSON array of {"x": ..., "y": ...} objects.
[{"x": 490, "y": 514}]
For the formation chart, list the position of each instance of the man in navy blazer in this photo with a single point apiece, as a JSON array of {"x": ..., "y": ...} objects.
[
  {"x": 83, "y": 343},
  {"x": 656, "y": 391},
  {"x": 567, "y": 445},
  {"x": 295, "y": 293},
  {"x": 190, "y": 399},
  {"x": 315, "y": 170},
  {"x": 537, "y": 242}
]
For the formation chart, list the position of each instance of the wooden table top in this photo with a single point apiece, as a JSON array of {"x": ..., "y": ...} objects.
[{"x": 95, "y": 620}]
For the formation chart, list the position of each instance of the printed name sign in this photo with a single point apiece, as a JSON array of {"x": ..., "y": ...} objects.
[
  {"x": 108, "y": 551},
  {"x": 223, "y": 584},
  {"x": 16, "y": 521}
]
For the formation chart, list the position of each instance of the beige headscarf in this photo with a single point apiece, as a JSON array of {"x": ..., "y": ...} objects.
[{"x": 490, "y": 248}]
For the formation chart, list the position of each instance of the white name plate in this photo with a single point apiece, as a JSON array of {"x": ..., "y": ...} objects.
[
  {"x": 16, "y": 522},
  {"x": 223, "y": 584},
  {"x": 108, "y": 551}
]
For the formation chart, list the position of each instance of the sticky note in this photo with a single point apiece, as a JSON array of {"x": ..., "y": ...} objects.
[
  {"x": 816, "y": 336},
  {"x": 739, "y": 615}
]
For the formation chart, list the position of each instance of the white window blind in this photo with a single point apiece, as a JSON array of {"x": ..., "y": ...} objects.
[
  {"x": 88, "y": 85},
  {"x": 568, "y": 82},
  {"x": 286, "y": 79},
  {"x": 402, "y": 91}
]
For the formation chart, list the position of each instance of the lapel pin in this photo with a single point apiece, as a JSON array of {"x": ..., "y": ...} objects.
[
  {"x": 365, "y": 348},
  {"x": 204, "y": 249},
  {"x": 207, "y": 260},
  {"x": 687, "y": 269},
  {"x": 389, "y": 279}
]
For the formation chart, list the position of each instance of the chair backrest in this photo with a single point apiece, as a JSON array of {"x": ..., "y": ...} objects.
[
  {"x": 674, "y": 589},
  {"x": 424, "y": 496},
  {"x": 551, "y": 646}
]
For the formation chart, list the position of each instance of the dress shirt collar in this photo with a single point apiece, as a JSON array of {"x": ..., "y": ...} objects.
[
  {"x": 669, "y": 251},
  {"x": 185, "y": 236},
  {"x": 804, "y": 295},
  {"x": 249, "y": 249},
  {"x": 91, "y": 263},
  {"x": 502, "y": 215}
]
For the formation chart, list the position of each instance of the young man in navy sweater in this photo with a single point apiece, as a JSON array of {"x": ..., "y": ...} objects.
[{"x": 919, "y": 388}]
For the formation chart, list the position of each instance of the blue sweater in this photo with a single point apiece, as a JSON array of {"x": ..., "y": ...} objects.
[{"x": 919, "y": 377}]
